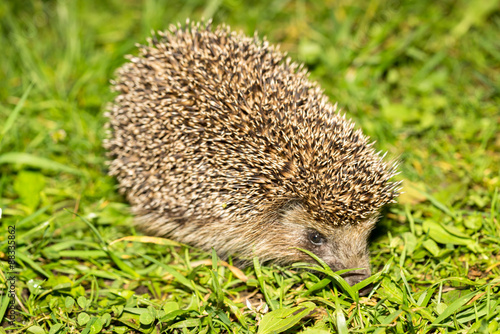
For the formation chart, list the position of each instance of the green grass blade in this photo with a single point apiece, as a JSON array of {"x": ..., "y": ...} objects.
[
  {"x": 179, "y": 277},
  {"x": 18, "y": 158},
  {"x": 33, "y": 264},
  {"x": 335, "y": 275},
  {"x": 453, "y": 307},
  {"x": 387, "y": 321},
  {"x": 14, "y": 114}
]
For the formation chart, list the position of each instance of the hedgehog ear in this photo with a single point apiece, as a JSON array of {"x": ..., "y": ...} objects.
[{"x": 291, "y": 204}]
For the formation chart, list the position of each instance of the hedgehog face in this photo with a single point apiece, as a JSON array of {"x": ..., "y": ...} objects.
[{"x": 341, "y": 247}]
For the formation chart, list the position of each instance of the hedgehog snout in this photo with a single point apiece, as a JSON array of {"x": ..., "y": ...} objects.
[
  {"x": 355, "y": 276},
  {"x": 344, "y": 248},
  {"x": 341, "y": 261},
  {"x": 349, "y": 249}
]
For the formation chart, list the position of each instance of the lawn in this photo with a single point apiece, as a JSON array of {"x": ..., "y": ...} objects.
[{"x": 422, "y": 78}]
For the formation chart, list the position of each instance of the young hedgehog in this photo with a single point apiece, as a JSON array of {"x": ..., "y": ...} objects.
[{"x": 218, "y": 140}]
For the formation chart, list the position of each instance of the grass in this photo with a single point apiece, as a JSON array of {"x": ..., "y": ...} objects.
[{"x": 420, "y": 77}]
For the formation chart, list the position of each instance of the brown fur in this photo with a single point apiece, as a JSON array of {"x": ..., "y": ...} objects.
[{"x": 220, "y": 141}]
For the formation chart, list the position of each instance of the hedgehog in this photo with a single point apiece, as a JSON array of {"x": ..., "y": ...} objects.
[{"x": 219, "y": 140}]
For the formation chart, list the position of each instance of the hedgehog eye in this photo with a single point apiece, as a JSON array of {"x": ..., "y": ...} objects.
[{"x": 316, "y": 238}]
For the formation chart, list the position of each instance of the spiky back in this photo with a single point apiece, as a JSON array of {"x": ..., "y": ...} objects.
[{"x": 214, "y": 123}]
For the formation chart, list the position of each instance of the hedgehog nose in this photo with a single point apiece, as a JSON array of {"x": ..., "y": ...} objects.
[{"x": 356, "y": 276}]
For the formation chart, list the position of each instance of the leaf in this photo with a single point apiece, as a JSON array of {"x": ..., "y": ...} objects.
[
  {"x": 146, "y": 318},
  {"x": 83, "y": 318},
  {"x": 96, "y": 327},
  {"x": 126, "y": 294},
  {"x": 410, "y": 242},
  {"x": 69, "y": 303},
  {"x": 187, "y": 323},
  {"x": 117, "y": 310},
  {"x": 36, "y": 330},
  {"x": 5, "y": 300},
  {"x": 440, "y": 234},
  {"x": 106, "y": 319},
  {"x": 282, "y": 319},
  {"x": 55, "y": 328},
  {"x": 474, "y": 222},
  {"x": 172, "y": 315},
  {"x": 170, "y": 307},
  {"x": 82, "y": 302},
  {"x": 391, "y": 290},
  {"x": 437, "y": 204},
  {"x": 341, "y": 322},
  {"x": 131, "y": 320},
  {"x": 313, "y": 330},
  {"x": 440, "y": 308},
  {"x": 432, "y": 247},
  {"x": 28, "y": 186}
]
